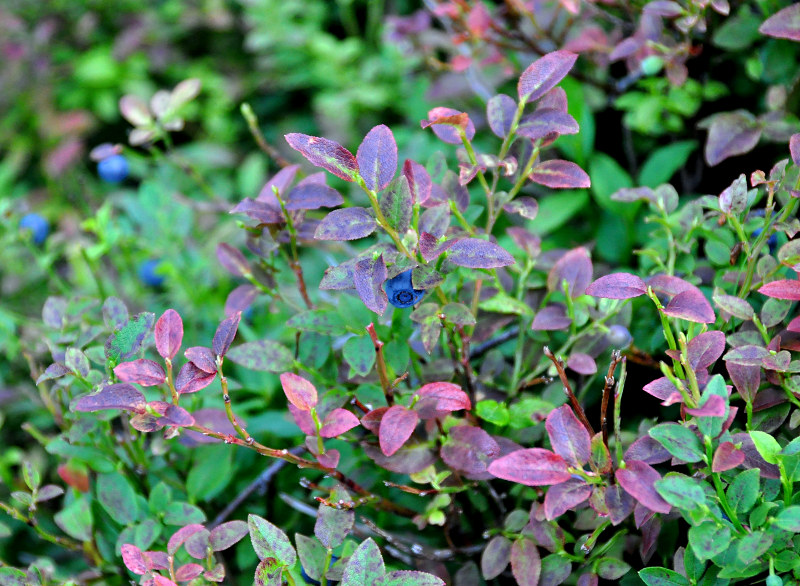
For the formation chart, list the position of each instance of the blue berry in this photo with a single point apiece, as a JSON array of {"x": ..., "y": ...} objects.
[
  {"x": 400, "y": 291},
  {"x": 618, "y": 336},
  {"x": 113, "y": 169},
  {"x": 148, "y": 273},
  {"x": 38, "y": 226},
  {"x": 772, "y": 241}
]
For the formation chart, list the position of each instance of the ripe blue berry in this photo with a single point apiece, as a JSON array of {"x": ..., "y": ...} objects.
[
  {"x": 148, "y": 273},
  {"x": 113, "y": 169},
  {"x": 400, "y": 291},
  {"x": 618, "y": 336},
  {"x": 38, "y": 226},
  {"x": 772, "y": 241}
]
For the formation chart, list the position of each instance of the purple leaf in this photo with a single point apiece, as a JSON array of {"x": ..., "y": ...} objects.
[
  {"x": 546, "y": 121},
  {"x": 369, "y": 275},
  {"x": 435, "y": 220},
  {"x": 500, "y": 110},
  {"x": 469, "y": 449},
  {"x": 727, "y": 457},
  {"x": 495, "y": 556},
  {"x": 638, "y": 480},
  {"x": 552, "y": 317},
  {"x": 575, "y": 267},
  {"x": 691, "y": 305},
  {"x": 714, "y": 406},
  {"x": 526, "y": 565},
  {"x": 337, "y": 422},
  {"x": 544, "y": 74},
  {"x": 233, "y": 260},
  {"x": 794, "y": 148},
  {"x": 226, "y": 332},
  {"x": 532, "y": 467},
  {"x": 444, "y": 122},
  {"x": 731, "y": 133},
  {"x": 202, "y": 357},
  {"x": 144, "y": 372},
  {"x": 565, "y": 496},
  {"x": 440, "y": 398},
  {"x": 300, "y": 392},
  {"x": 568, "y": 437},
  {"x": 188, "y": 572},
  {"x": 661, "y": 388},
  {"x": 282, "y": 179},
  {"x": 617, "y": 286},
  {"x": 530, "y": 243},
  {"x": 783, "y": 289},
  {"x": 346, "y": 224},
  {"x": 582, "y": 363},
  {"x": 177, "y": 416},
  {"x": 784, "y": 24},
  {"x": 648, "y": 450},
  {"x": 259, "y": 211},
  {"x": 118, "y": 396},
  {"x": 396, "y": 205},
  {"x": 669, "y": 285},
  {"x": 377, "y": 158},
  {"x": 479, "y": 254},
  {"x": 191, "y": 379},
  {"x": 619, "y": 504},
  {"x": 705, "y": 349},
  {"x": 325, "y": 153},
  {"x": 733, "y": 198},
  {"x": 527, "y": 207},
  {"x": 239, "y": 299},
  {"x": 734, "y": 305},
  {"x": 750, "y": 355},
  {"x": 419, "y": 181},
  {"x": 312, "y": 196},
  {"x": 745, "y": 378},
  {"x": 560, "y": 174},
  {"x": 397, "y": 425}
]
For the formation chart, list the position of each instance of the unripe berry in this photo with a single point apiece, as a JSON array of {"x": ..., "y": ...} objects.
[
  {"x": 774, "y": 580},
  {"x": 618, "y": 336}
]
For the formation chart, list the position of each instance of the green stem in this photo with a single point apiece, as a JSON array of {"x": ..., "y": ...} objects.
[
  {"x": 228, "y": 408},
  {"x": 723, "y": 500}
]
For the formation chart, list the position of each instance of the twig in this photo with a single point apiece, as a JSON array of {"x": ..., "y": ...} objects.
[
  {"x": 559, "y": 364},
  {"x": 252, "y": 124},
  {"x": 381, "y": 365},
  {"x": 616, "y": 358},
  {"x": 483, "y": 348}
]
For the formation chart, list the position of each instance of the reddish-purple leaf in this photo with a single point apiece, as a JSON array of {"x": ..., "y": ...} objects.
[
  {"x": 552, "y": 317},
  {"x": 346, "y": 224},
  {"x": 435, "y": 221},
  {"x": 575, "y": 267},
  {"x": 546, "y": 121},
  {"x": 794, "y": 325},
  {"x": 749, "y": 355},
  {"x": 661, "y": 388},
  {"x": 191, "y": 379},
  {"x": 479, "y": 254},
  {"x": 638, "y": 479},
  {"x": 430, "y": 248},
  {"x": 330, "y": 459},
  {"x": 783, "y": 289},
  {"x": 259, "y": 211},
  {"x": 227, "y": 534},
  {"x": 157, "y": 560},
  {"x": 233, "y": 260},
  {"x": 784, "y": 24},
  {"x": 794, "y": 145},
  {"x": 617, "y": 286},
  {"x": 582, "y": 363},
  {"x": 397, "y": 425},
  {"x": 337, "y": 422},
  {"x": 752, "y": 459},
  {"x": 369, "y": 276},
  {"x": 188, "y": 572},
  {"x": 731, "y": 133},
  {"x": 377, "y": 158},
  {"x": 691, "y": 305},
  {"x": 133, "y": 559},
  {"x": 527, "y": 207},
  {"x": 500, "y": 110},
  {"x": 169, "y": 334},
  {"x": 527, "y": 241},
  {"x": 705, "y": 349},
  {"x": 445, "y": 123},
  {"x": 544, "y": 74},
  {"x": 197, "y": 544},
  {"x": 202, "y": 358},
  {"x": 312, "y": 196},
  {"x": 240, "y": 299},
  {"x": 713, "y": 407},
  {"x": 282, "y": 179},
  {"x": 565, "y": 496},
  {"x": 619, "y": 504},
  {"x": 439, "y": 398},
  {"x": 300, "y": 392},
  {"x": 372, "y": 420},
  {"x": 144, "y": 372},
  {"x": 526, "y": 565},
  {"x": 495, "y": 556},
  {"x": 568, "y": 437},
  {"x": 733, "y": 198},
  {"x": 325, "y": 153},
  {"x": 419, "y": 181},
  {"x": 532, "y": 467},
  {"x": 647, "y": 450},
  {"x": 469, "y": 449},
  {"x": 303, "y": 420},
  {"x": 669, "y": 285},
  {"x": 226, "y": 332},
  {"x": 745, "y": 378},
  {"x": 727, "y": 457},
  {"x": 181, "y": 535},
  {"x": 118, "y": 396},
  {"x": 560, "y": 174}
]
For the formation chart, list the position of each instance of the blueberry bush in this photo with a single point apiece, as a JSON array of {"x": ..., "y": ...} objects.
[{"x": 451, "y": 292}]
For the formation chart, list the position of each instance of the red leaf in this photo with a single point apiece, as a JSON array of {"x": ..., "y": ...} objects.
[
  {"x": 438, "y": 399},
  {"x": 133, "y": 559},
  {"x": 169, "y": 334},
  {"x": 479, "y": 254},
  {"x": 575, "y": 267},
  {"x": 325, "y": 153},
  {"x": 565, "y": 496},
  {"x": 568, "y": 437},
  {"x": 691, "y": 305},
  {"x": 144, "y": 372},
  {"x": 191, "y": 379},
  {"x": 377, "y": 158},
  {"x": 784, "y": 24},
  {"x": 157, "y": 560},
  {"x": 310, "y": 195},
  {"x": 526, "y": 565},
  {"x": 544, "y": 74},
  {"x": 582, "y": 363},
  {"x": 118, "y": 396},
  {"x": 372, "y": 420},
  {"x": 532, "y": 467},
  {"x": 300, "y": 392},
  {"x": 794, "y": 325},
  {"x": 552, "y": 317},
  {"x": 443, "y": 120},
  {"x": 731, "y": 133},
  {"x": 560, "y": 174},
  {"x": 705, "y": 349},
  {"x": 202, "y": 358},
  {"x": 233, "y": 260},
  {"x": 369, "y": 275},
  {"x": 419, "y": 181},
  {"x": 226, "y": 332},
  {"x": 397, "y": 425},
  {"x": 727, "y": 457},
  {"x": 303, "y": 420},
  {"x": 783, "y": 289},
  {"x": 346, "y": 224},
  {"x": 617, "y": 286},
  {"x": 337, "y": 422},
  {"x": 638, "y": 479},
  {"x": 745, "y": 378}
]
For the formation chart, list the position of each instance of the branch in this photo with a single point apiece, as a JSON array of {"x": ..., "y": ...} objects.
[{"x": 559, "y": 364}]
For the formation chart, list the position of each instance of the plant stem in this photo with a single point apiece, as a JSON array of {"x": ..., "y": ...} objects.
[
  {"x": 252, "y": 125},
  {"x": 380, "y": 363},
  {"x": 559, "y": 364},
  {"x": 228, "y": 408},
  {"x": 170, "y": 382},
  {"x": 295, "y": 262}
]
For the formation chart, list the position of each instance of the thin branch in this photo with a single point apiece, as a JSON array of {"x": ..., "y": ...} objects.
[
  {"x": 559, "y": 364},
  {"x": 616, "y": 358},
  {"x": 380, "y": 363}
]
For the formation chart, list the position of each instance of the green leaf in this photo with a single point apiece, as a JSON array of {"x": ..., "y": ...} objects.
[
  {"x": 395, "y": 203},
  {"x": 312, "y": 555},
  {"x": 410, "y": 578},
  {"x": 662, "y": 577},
  {"x": 31, "y": 475},
  {"x": 128, "y": 340},
  {"x": 556, "y": 209},
  {"x": 359, "y": 353},
  {"x": 76, "y": 519},
  {"x": 789, "y": 519},
  {"x": 752, "y": 546},
  {"x": 607, "y": 178},
  {"x": 493, "y": 412},
  {"x": 679, "y": 441},
  {"x": 365, "y": 566},
  {"x": 767, "y": 446},
  {"x": 681, "y": 491},
  {"x": 180, "y": 513},
  {"x": 612, "y": 568},
  {"x": 664, "y": 162},
  {"x": 579, "y": 146},
  {"x": 708, "y": 539},
  {"x": 743, "y": 491},
  {"x": 708, "y": 425},
  {"x": 210, "y": 473},
  {"x": 333, "y": 525},
  {"x": 502, "y": 303},
  {"x": 159, "y": 498},
  {"x": 117, "y": 497},
  {"x": 263, "y": 355},
  {"x": 321, "y": 321},
  {"x": 270, "y": 542}
]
